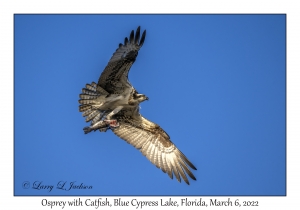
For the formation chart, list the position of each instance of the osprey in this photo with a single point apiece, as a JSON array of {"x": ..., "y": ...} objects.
[{"x": 113, "y": 103}]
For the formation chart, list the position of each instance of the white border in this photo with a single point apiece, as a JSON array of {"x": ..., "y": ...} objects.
[{"x": 9, "y": 8}]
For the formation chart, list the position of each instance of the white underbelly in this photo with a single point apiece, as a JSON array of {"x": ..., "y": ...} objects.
[{"x": 114, "y": 101}]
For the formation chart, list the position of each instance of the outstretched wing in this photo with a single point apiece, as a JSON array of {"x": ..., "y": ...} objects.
[
  {"x": 114, "y": 78},
  {"x": 154, "y": 143}
]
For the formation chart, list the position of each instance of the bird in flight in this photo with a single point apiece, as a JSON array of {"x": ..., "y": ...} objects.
[{"x": 113, "y": 103}]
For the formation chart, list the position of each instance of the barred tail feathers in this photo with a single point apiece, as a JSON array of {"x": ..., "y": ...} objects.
[{"x": 91, "y": 99}]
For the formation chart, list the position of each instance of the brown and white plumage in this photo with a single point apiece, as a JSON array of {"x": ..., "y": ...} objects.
[
  {"x": 154, "y": 143},
  {"x": 113, "y": 103}
]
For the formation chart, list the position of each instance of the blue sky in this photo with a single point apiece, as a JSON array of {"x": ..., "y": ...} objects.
[{"x": 216, "y": 83}]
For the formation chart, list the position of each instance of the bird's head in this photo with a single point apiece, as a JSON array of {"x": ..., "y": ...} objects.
[
  {"x": 136, "y": 98},
  {"x": 140, "y": 97}
]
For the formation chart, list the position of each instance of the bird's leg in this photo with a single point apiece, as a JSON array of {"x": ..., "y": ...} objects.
[
  {"x": 113, "y": 123},
  {"x": 113, "y": 112}
]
